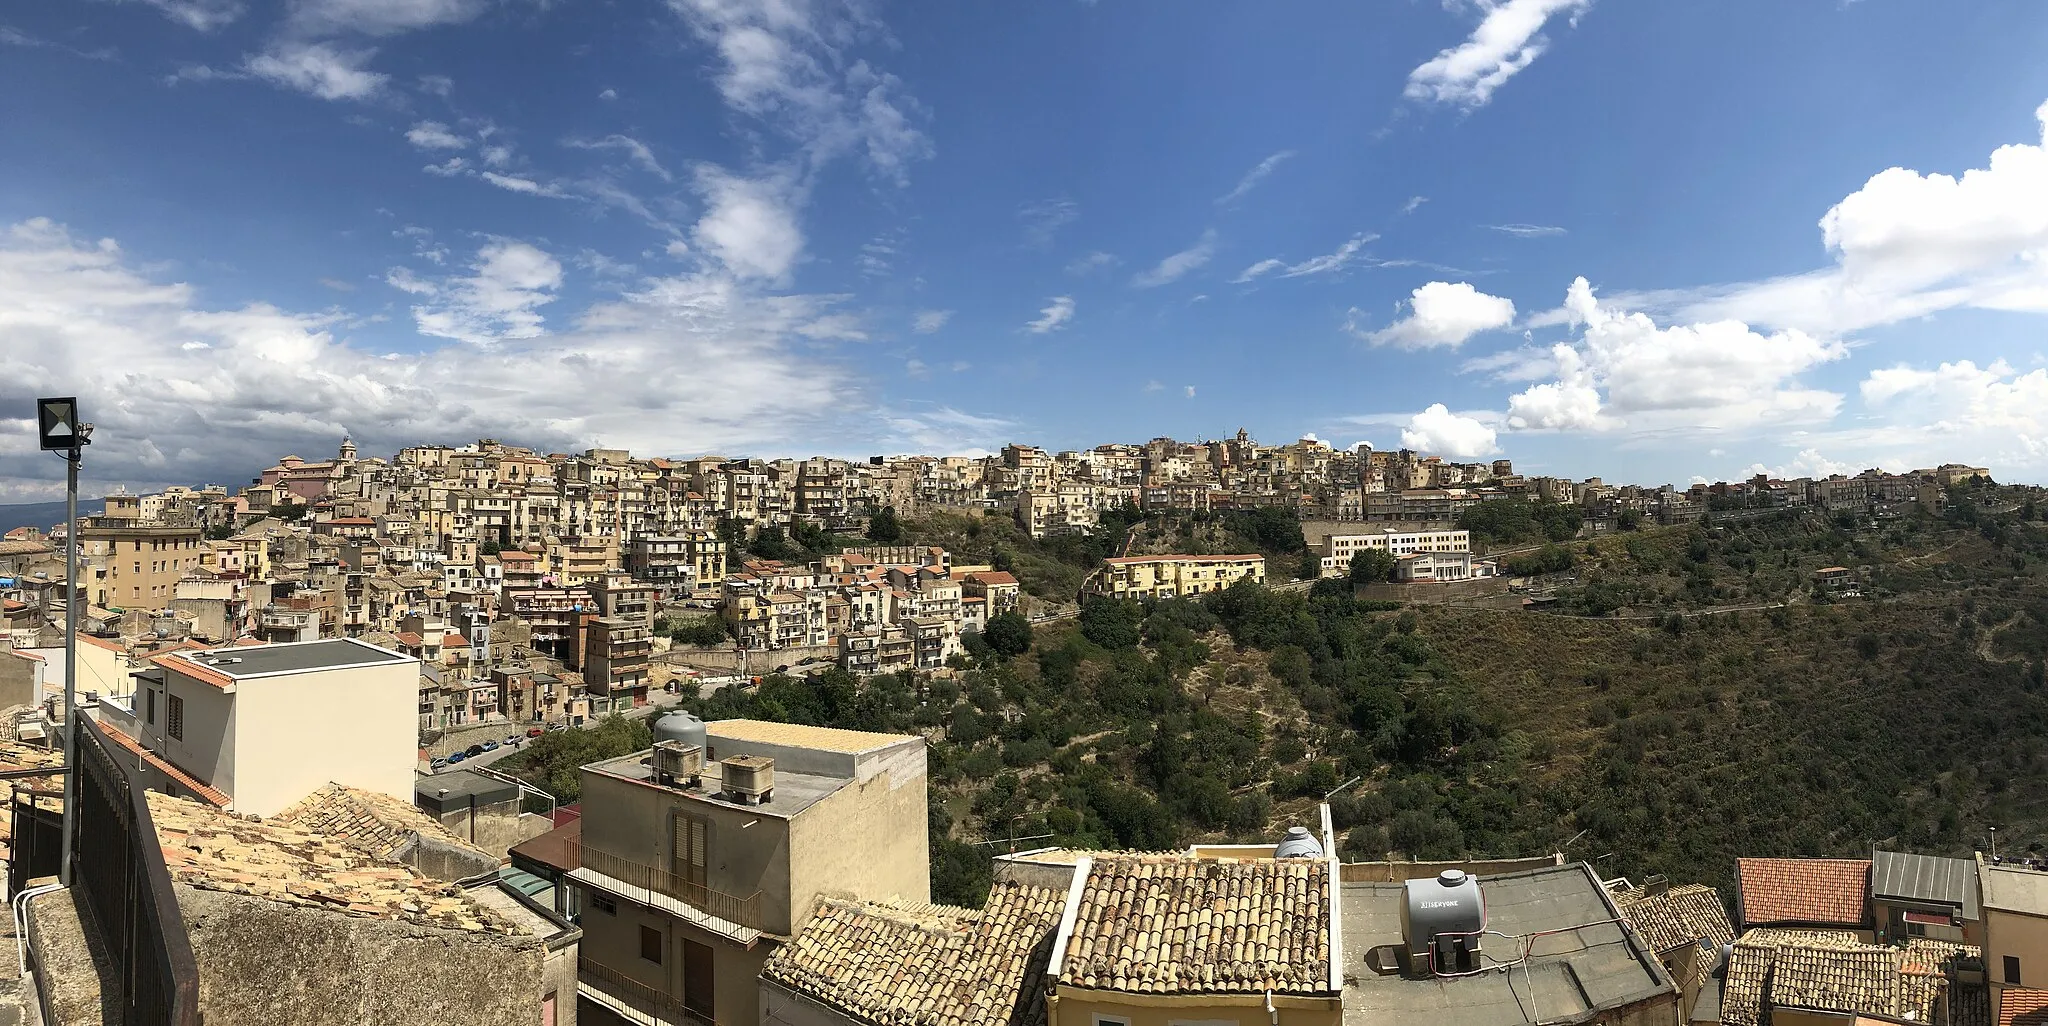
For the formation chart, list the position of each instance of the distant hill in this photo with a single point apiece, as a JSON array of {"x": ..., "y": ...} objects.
[{"x": 43, "y": 515}]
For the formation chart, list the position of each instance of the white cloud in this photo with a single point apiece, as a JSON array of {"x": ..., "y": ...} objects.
[
  {"x": 200, "y": 15},
  {"x": 1058, "y": 311},
  {"x": 433, "y": 135},
  {"x": 1175, "y": 267},
  {"x": 319, "y": 69},
  {"x": 686, "y": 364},
  {"x": 917, "y": 369},
  {"x": 1627, "y": 372},
  {"x": 634, "y": 149},
  {"x": 1190, "y": 390},
  {"x": 1508, "y": 39},
  {"x": 437, "y": 85},
  {"x": 379, "y": 17},
  {"x": 1153, "y": 386},
  {"x": 516, "y": 183},
  {"x": 1439, "y": 431},
  {"x": 1324, "y": 264},
  {"x": 786, "y": 62},
  {"x": 1445, "y": 314},
  {"x": 1091, "y": 262},
  {"x": 1044, "y": 218},
  {"x": 1414, "y": 203},
  {"x": 929, "y": 321},
  {"x": 609, "y": 94},
  {"x": 1957, "y": 412},
  {"x": 448, "y": 168},
  {"x": 749, "y": 224},
  {"x": 1525, "y": 231},
  {"x": 1808, "y": 463},
  {"x": 512, "y": 280},
  {"x": 1906, "y": 245},
  {"x": 1253, "y": 177}
]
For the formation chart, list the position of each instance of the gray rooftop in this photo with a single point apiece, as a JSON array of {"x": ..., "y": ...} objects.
[
  {"x": 1595, "y": 965},
  {"x": 1928, "y": 879},
  {"x": 463, "y": 787},
  {"x": 794, "y": 791},
  {"x": 293, "y": 657}
]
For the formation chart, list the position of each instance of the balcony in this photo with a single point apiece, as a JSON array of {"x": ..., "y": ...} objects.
[
  {"x": 634, "y": 1000},
  {"x": 743, "y": 911}
]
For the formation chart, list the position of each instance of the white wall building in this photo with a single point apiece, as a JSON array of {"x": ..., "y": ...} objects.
[{"x": 1338, "y": 549}]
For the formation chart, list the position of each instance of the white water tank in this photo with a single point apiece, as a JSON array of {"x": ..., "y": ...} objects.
[{"x": 1298, "y": 844}]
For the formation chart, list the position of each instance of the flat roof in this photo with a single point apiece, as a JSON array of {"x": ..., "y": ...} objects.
[
  {"x": 2014, "y": 889},
  {"x": 290, "y": 657},
  {"x": 461, "y": 785},
  {"x": 794, "y": 792},
  {"x": 799, "y": 735},
  {"x": 1593, "y": 964}
]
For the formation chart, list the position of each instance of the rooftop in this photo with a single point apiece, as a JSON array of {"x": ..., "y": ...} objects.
[
  {"x": 927, "y": 965},
  {"x": 798, "y": 735},
  {"x": 1585, "y": 961},
  {"x": 292, "y": 864},
  {"x": 1679, "y": 916},
  {"x": 1128, "y": 560},
  {"x": 2014, "y": 889},
  {"x": 1821, "y": 891},
  {"x": 1830, "y": 971},
  {"x": 1171, "y": 924},
  {"x": 243, "y": 662},
  {"x": 794, "y": 791},
  {"x": 1925, "y": 878},
  {"x": 2020, "y": 1006},
  {"x": 377, "y": 824}
]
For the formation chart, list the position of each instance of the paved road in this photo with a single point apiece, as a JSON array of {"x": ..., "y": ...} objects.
[{"x": 657, "y": 702}]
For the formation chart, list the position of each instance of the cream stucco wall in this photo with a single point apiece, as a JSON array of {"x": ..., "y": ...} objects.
[
  {"x": 613, "y": 941},
  {"x": 206, "y": 750},
  {"x": 356, "y": 726},
  {"x": 2021, "y": 935},
  {"x": 869, "y": 839}
]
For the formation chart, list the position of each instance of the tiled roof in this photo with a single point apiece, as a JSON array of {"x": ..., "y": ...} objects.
[
  {"x": 1830, "y": 971},
  {"x": 375, "y": 823},
  {"x": 2019, "y": 1006},
  {"x": 1836, "y": 980},
  {"x": 219, "y": 851},
  {"x": 1170, "y": 924},
  {"x": 927, "y": 965},
  {"x": 1679, "y": 916},
  {"x": 1830, "y": 891},
  {"x": 207, "y": 792}
]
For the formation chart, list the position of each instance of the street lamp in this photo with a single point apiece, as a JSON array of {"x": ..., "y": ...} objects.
[{"x": 60, "y": 431}]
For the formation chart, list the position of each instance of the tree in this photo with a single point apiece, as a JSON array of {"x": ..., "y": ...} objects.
[
  {"x": 1008, "y": 634},
  {"x": 220, "y": 532},
  {"x": 1109, "y": 622},
  {"x": 884, "y": 528},
  {"x": 490, "y": 548},
  {"x": 1629, "y": 519},
  {"x": 1371, "y": 566},
  {"x": 288, "y": 511},
  {"x": 1311, "y": 566},
  {"x": 699, "y": 630}
]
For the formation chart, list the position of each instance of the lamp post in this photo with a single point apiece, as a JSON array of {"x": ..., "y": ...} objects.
[{"x": 60, "y": 431}]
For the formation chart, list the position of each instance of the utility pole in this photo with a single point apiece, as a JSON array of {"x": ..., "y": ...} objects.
[{"x": 61, "y": 432}]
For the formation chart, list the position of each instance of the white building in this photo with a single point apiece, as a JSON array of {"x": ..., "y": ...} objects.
[
  {"x": 267, "y": 725},
  {"x": 1337, "y": 549},
  {"x": 1439, "y": 568}
]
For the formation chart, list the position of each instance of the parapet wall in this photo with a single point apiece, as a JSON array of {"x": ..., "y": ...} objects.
[{"x": 1395, "y": 872}]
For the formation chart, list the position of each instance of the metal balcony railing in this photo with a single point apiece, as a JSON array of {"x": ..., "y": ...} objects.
[{"x": 733, "y": 908}]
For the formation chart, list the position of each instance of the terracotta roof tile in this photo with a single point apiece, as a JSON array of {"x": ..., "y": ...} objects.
[
  {"x": 1836, "y": 980},
  {"x": 214, "y": 850},
  {"x": 1679, "y": 916},
  {"x": 1830, "y": 971},
  {"x": 2019, "y": 1006},
  {"x": 1171, "y": 924},
  {"x": 1829, "y": 891},
  {"x": 206, "y": 792},
  {"x": 375, "y": 823},
  {"x": 927, "y": 965}
]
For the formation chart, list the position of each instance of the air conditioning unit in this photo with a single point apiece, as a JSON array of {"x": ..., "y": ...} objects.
[
  {"x": 748, "y": 779},
  {"x": 674, "y": 760}
]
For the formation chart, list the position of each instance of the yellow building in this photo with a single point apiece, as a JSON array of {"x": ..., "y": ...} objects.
[
  {"x": 136, "y": 567},
  {"x": 1161, "y": 577},
  {"x": 1174, "y": 940}
]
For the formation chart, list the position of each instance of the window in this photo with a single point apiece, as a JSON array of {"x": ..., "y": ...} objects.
[
  {"x": 692, "y": 839},
  {"x": 150, "y": 706},
  {"x": 176, "y": 717},
  {"x": 2012, "y": 969},
  {"x": 604, "y": 903},
  {"x": 650, "y": 944},
  {"x": 1111, "y": 1020}
]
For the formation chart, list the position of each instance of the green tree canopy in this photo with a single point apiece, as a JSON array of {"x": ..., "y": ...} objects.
[
  {"x": 1371, "y": 566},
  {"x": 1008, "y": 634}
]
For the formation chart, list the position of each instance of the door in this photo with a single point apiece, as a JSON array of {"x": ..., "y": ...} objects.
[
  {"x": 697, "y": 975},
  {"x": 690, "y": 856}
]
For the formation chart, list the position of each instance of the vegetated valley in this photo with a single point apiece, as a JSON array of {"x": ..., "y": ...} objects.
[{"x": 1686, "y": 695}]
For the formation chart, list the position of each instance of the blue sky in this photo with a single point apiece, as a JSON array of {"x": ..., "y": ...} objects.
[{"x": 1813, "y": 235}]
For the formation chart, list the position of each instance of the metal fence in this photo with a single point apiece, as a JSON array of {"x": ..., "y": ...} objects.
[
  {"x": 640, "y": 997},
  {"x": 746, "y": 911},
  {"x": 118, "y": 869}
]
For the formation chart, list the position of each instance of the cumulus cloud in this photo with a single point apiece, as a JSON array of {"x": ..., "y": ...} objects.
[
  {"x": 1177, "y": 266},
  {"x": 749, "y": 224},
  {"x": 687, "y": 364},
  {"x": 500, "y": 299},
  {"x": 1807, "y": 463},
  {"x": 1958, "y": 410},
  {"x": 1089, "y": 263},
  {"x": 929, "y": 321},
  {"x": 319, "y": 69},
  {"x": 787, "y": 63},
  {"x": 1058, "y": 311},
  {"x": 433, "y": 135},
  {"x": 1625, "y": 370},
  {"x": 1508, "y": 39},
  {"x": 1439, "y": 431},
  {"x": 1253, "y": 177},
  {"x": 1444, "y": 314},
  {"x": 200, "y": 15}
]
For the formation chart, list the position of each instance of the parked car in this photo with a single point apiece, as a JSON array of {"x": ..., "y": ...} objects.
[
  {"x": 456, "y": 757},
  {"x": 440, "y": 763},
  {"x": 514, "y": 740},
  {"x": 536, "y": 732},
  {"x": 490, "y": 746},
  {"x": 475, "y": 750},
  {"x": 784, "y": 668},
  {"x": 558, "y": 726}
]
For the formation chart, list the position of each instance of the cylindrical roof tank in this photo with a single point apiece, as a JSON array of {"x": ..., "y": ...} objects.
[
  {"x": 679, "y": 726},
  {"x": 1298, "y": 844},
  {"x": 1448, "y": 903}
]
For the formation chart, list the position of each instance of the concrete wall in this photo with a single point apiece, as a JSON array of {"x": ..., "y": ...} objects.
[
  {"x": 18, "y": 677},
  {"x": 759, "y": 662},
  {"x": 366, "y": 721},
  {"x": 494, "y": 828},
  {"x": 2020, "y": 935},
  {"x": 869, "y": 839},
  {"x": 634, "y": 820},
  {"x": 1368, "y": 872},
  {"x": 1487, "y": 591},
  {"x": 781, "y": 1006},
  {"x": 207, "y": 750},
  {"x": 266, "y": 962},
  {"x": 613, "y": 941}
]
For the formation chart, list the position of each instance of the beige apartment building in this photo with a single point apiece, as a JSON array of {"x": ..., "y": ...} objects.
[
  {"x": 135, "y": 566},
  {"x": 239, "y": 720},
  {"x": 693, "y": 863},
  {"x": 2015, "y": 911},
  {"x": 1337, "y": 549},
  {"x": 1160, "y": 577}
]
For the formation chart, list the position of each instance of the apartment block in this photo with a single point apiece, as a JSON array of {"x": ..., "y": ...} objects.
[{"x": 1160, "y": 577}]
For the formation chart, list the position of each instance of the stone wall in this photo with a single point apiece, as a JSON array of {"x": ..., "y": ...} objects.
[
  {"x": 1491, "y": 592},
  {"x": 265, "y": 962},
  {"x": 758, "y": 663}
]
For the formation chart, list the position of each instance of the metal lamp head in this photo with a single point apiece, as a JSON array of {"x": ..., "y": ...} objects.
[{"x": 57, "y": 425}]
